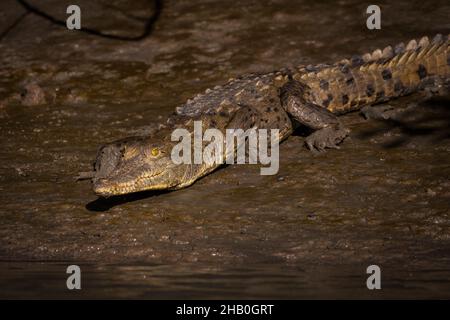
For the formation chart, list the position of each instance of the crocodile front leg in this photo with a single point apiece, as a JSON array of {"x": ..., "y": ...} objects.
[{"x": 329, "y": 130}]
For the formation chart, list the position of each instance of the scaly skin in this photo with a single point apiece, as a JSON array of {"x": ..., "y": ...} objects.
[{"x": 312, "y": 95}]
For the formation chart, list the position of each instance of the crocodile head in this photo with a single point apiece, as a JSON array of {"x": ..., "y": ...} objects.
[{"x": 136, "y": 164}]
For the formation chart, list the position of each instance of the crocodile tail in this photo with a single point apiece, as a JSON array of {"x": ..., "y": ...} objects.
[{"x": 378, "y": 76}]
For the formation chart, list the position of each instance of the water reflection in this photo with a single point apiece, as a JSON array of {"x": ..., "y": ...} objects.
[{"x": 187, "y": 281}]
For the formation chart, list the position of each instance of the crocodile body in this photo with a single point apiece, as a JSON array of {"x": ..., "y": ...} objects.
[{"x": 310, "y": 95}]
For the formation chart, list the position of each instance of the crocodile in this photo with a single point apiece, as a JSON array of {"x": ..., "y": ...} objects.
[{"x": 309, "y": 95}]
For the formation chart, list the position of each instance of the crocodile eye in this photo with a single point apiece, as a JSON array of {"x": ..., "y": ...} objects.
[{"x": 155, "y": 152}]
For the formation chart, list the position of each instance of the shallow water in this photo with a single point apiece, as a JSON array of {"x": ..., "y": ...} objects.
[
  {"x": 308, "y": 232},
  {"x": 43, "y": 280}
]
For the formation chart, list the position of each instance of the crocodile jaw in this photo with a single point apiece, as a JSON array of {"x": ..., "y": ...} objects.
[
  {"x": 106, "y": 187},
  {"x": 128, "y": 165}
]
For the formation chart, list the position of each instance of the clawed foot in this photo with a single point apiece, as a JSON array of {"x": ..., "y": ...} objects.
[
  {"x": 386, "y": 112},
  {"x": 328, "y": 137},
  {"x": 383, "y": 112}
]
